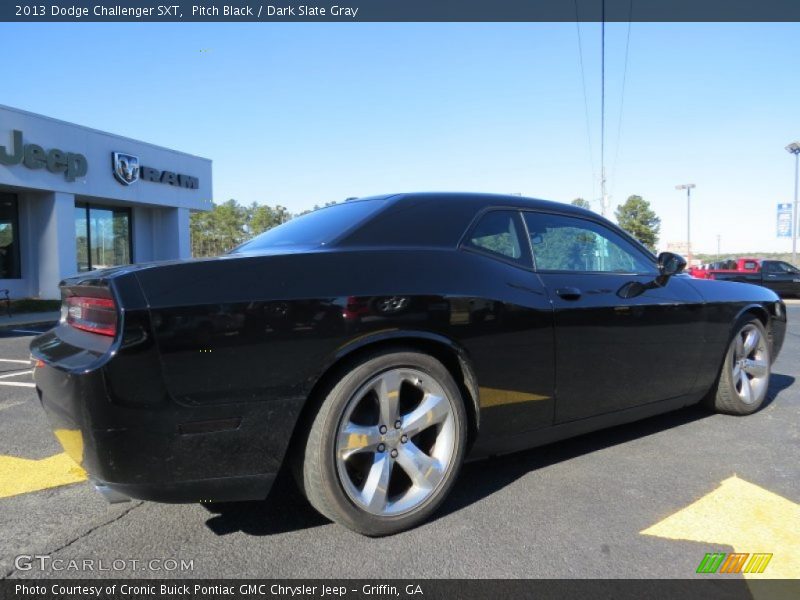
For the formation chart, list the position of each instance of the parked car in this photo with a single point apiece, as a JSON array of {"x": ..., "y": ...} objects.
[
  {"x": 729, "y": 265},
  {"x": 455, "y": 326},
  {"x": 777, "y": 275}
]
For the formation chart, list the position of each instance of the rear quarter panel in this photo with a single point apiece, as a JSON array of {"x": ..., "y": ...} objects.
[{"x": 264, "y": 329}]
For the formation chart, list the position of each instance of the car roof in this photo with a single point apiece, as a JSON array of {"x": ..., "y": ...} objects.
[
  {"x": 437, "y": 218},
  {"x": 481, "y": 200}
]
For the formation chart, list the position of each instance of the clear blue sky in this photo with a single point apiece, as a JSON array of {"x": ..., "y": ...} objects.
[{"x": 301, "y": 114}]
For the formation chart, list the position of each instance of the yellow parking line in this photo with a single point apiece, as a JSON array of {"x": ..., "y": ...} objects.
[
  {"x": 22, "y": 476},
  {"x": 746, "y": 517}
]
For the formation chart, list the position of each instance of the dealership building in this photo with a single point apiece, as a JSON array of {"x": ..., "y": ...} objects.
[{"x": 74, "y": 199}]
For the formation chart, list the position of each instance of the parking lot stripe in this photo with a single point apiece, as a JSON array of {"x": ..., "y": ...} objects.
[
  {"x": 22, "y": 476},
  {"x": 15, "y": 374},
  {"x": 15, "y": 360},
  {"x": 17, "y": 384},
  {"x": 746, "y": 517}
]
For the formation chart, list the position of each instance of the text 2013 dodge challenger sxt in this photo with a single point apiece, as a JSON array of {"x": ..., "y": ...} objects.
[{"x": 375, "y": 344}]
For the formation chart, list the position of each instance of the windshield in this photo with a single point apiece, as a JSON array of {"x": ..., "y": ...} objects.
[{"x": 316, "y": 228}]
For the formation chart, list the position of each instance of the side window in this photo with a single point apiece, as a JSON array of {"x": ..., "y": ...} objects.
[
  {"x": 498, "y": 232},
  {"x": 571, "y": 244},
  {"x": 779, "y": 267}
]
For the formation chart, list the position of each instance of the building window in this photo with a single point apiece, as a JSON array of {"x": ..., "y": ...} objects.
[
  {"x": 9, "y": 237},
  {"x": 102, "y": 236}
]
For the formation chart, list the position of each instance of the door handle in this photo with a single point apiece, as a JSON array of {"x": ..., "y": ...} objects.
[{"x": 569, "y": 293}]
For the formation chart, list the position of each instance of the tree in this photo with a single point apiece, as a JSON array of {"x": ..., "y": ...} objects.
[
  {"x": 637, "y": 218},
  {"x": 317, "y": 207},
  {"x": 226, "y": 226},
  {"x": 261, "y": 217},
  {"x": 229, "y": 224},
  {"x": 582, "y": 203}
]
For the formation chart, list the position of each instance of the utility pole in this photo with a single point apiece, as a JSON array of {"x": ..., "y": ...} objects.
[
  {"x": 794, "y": 148},
  {"x": 718, "y": 252},
  {"x": 688, "y": 187},
  {"x": 603, "y": 106},
  {"x": 604, "y": 195}
]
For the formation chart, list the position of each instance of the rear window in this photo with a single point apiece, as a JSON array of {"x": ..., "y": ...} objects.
[{"x": 315, "y": 228}]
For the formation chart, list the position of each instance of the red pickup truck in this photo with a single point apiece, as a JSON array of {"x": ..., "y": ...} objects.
[{"x": 777, "y": 275}]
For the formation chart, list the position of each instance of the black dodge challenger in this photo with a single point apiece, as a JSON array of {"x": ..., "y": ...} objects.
[{"x": 373, "y": 345}]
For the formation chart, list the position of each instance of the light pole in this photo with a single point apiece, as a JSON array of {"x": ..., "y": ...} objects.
[
  {"x": 688, "y": 187},
  {"x": 794, "y": 148}
]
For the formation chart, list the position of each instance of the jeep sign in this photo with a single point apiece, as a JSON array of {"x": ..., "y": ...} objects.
[{"x": 33, "y": 156}]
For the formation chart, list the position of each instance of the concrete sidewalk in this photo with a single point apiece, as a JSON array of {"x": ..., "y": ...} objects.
[{"x": 29, "y": 319}]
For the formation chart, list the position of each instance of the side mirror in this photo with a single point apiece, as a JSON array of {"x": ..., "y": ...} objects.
[{"x": 670, "y": 263}]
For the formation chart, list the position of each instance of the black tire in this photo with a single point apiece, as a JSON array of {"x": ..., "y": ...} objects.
[
  {"x": 320, "y": 468},
  {"x": 728, "y": 398}
]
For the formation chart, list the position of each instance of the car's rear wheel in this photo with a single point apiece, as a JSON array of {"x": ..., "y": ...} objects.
[
  {"x": 744, "y": 380},
  {"x": 387, "y": 443}
]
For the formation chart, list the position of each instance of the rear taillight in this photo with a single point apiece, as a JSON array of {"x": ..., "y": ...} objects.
[{"x": 97, "y": 315}]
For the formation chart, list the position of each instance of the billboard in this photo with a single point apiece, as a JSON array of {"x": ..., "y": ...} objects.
[{"x": 784, "y": 220}]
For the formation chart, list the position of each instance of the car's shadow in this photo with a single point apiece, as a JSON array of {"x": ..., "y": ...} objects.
[
  {"x": 777, "y": 383},
  {"x": 287, "y": 510}
]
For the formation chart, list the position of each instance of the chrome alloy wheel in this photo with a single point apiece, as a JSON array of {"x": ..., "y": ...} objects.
[
  {"x": 750, "y": 364},
  {"x": 395, "y": 442}
]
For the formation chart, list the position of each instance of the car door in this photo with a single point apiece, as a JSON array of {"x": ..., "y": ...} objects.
[
  {"x": 505, "y": 323},
  {"x": 781, "y": 277},
  {"x": 625, "y": 336}
]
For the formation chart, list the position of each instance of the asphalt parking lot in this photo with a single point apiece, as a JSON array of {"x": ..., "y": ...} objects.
[{"x": 637, "y": 501}]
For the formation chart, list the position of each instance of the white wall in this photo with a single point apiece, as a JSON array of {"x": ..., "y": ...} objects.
[
  {"x": 54, "y": 238},
  {"x": 160, "y": 234},
  {"x": 97, "y": 147}
]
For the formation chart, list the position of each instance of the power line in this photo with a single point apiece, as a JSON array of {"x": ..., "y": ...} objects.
[
  {"x": 622, "y": 97},
  {"x": 585, "y": 97},
  {"x": 603, "y": 104}
]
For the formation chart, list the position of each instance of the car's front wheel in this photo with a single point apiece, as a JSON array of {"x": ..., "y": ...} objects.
[
  {"x": 387, "y": 443},
  {"x": 744, "y": 379}
]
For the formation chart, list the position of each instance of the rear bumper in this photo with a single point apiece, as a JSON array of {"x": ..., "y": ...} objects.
[
  {"x": 224, "y": 489},
  {"x": 163, "y": 451}
]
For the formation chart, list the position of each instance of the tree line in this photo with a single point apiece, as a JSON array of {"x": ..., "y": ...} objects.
[{"x": 229, "y": 224}]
